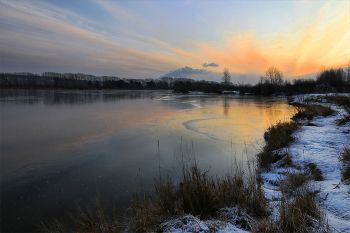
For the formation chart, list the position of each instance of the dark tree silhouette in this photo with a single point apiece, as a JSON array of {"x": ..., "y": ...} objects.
[
  {"x": 226, "y": 78},
  {"x": 274, "y": 75}
]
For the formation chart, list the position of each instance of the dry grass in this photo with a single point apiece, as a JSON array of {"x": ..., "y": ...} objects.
[
  {"x": 316, "y": 173},
  {"x": 146, "y": 216},
  {"x": 343, "y": 120},
  {"x": 301, "y": 213},
  {"x": 340, "y": 100},
  {"x": 198, "y": 193},
  {"x": 293, "y": 181},
  {"x": 94, "y": 219},
  {"x": 345, "y": 159},
  {"x": 280, "y": 135},
  {"x": 310, "y": 111}
]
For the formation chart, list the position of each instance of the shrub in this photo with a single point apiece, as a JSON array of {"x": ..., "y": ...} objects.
[
  {"x": 293, "y": 181},
  {"x": 315, "y": 171}
]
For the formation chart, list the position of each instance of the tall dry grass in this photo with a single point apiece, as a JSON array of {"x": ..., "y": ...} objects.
[
  {"x": 198, "y": 193},
  {"x": 93, "y": 219},
  {"x": 345, "y": 168},
  {"x": 280, "y": 135},
  {"x": 300, "y": 212},
  {"x": 309, "y": 111}
]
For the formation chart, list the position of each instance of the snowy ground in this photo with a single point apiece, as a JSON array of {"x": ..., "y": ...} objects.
[{"x": 321, "y": 144}]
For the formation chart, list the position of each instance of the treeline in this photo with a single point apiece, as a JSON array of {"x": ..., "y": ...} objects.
[
  {"x": 78, "y": 81},
  {"x": 330, "y": 80},
  {"x": 84, "y": 81}
]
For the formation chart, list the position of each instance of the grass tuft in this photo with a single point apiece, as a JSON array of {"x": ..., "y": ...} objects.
[
  {"x": 315, "y": 172},
  {"x": 94, "y": 219},
  {"x": 280, "y": 135},
  {"x": 343, "y": 120},
  {"x": 300, "y": 213},
  {"x": 310, "y": 111},
  {"x": 345, "y": 159},
  {"x": 340, "y": 100},
  {"x": 198, "y": 193},
  {"x": 145, "y": 214},
  {"x": 293, "y": 181}
]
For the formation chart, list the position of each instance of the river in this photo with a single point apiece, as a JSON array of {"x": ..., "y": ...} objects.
[{"x": 62, "y": 148}]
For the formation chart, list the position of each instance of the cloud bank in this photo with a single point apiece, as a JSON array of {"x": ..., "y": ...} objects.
[
  {"x": 210, "y": 64},
  {"x": 186, "y": 72}
]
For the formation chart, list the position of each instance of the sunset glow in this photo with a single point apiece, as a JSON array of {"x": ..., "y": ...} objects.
[{"x": 148, "y": 39}]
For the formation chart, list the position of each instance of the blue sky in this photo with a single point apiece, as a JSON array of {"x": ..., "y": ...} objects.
[{"x": 149, "y": 39}]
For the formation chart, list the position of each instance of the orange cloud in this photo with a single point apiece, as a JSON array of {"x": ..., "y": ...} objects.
[
  {"x": 242, "y": 53},
  {"x": 300, "y": 48}
]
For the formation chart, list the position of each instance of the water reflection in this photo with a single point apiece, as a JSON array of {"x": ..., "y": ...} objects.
[{"x": 226, "y": 107}]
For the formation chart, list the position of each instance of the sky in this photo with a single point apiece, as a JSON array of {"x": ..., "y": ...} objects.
[{"x": 175, "y": 38}]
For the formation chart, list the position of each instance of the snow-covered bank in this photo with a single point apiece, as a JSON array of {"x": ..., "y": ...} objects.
[{"x": 320, "y": 144}]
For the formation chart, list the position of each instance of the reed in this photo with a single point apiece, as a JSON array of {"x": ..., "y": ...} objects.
[
  {"x": 198, "y": 193},
  {"x": 93, "y": 219}
]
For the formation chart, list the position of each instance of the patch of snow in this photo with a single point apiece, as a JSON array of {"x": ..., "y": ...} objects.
[
  {"x": 231, "y": 92},
  {"x": 196, "y": 92},
  {"x": 190, "y": 223}
]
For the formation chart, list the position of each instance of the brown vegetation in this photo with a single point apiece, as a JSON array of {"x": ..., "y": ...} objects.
[
  {"x": 310, "y": 111},
  {"x": 94, "y": 219},
  {"x": 199, "y": 194},
  {"x": 345, "y": 159},
  {"x": 280, "y": 135}
]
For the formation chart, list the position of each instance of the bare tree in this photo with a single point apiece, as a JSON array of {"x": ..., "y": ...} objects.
[
  {"x": 226, "y": 78},
  {"x": 274, "y": 75},
  {"x": 347, "y": 78}
]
